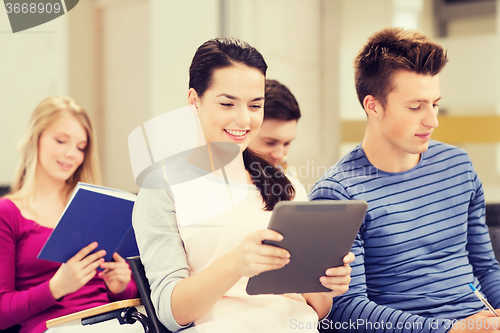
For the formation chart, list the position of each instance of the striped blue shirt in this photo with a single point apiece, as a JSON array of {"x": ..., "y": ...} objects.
[{"x": 424, "y": 239}]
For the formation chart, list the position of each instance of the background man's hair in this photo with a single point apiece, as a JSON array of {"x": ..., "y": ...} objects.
[
  {"x": 280, "y": 103},
  {"x": 392, "y": 50}
]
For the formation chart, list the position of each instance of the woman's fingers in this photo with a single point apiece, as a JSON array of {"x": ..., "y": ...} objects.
[
  {"x": 118, "y": 258},
  {"x": 119, "y": 270},
  {"x": 88, "y": 276},
  {"x": 115, "y": 265},
  {"x": 268, "y": 260},
  {"x": 252, "y": 257},
  {"x": 255, "y": 239},
  {"x": 117, "y": 275},
  {"x": 339, "y": 271},
  {"x": 83, "y": 259},
  {"x": 257, "y": 253},
  {"x": 92, "y": 258},
  {"x": 119, "y": 264},
  {"x": 77, "y": 271},
  {"x": 83, "y": 252},
  {"x": 92, "y": 267},
  {"x": 349, "y": 258},
  {"x": 112, "y": 265},
  {"x": 272, "y": 251},
  {"x": 116, "y": 270},
  {"x": 263, "y": 234},
  {"x": 337, "y": 279}
]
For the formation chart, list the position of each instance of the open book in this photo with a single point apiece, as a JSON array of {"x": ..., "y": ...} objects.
[{"x": 93, "y": 213}]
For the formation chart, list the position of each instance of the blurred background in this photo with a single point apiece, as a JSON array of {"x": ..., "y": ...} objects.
[{"x": 126, "y": 61}]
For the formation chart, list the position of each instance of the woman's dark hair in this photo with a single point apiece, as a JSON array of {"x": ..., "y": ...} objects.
[
  {"x": 272, "y": 183},
  {"x": 219, "y": 53}
]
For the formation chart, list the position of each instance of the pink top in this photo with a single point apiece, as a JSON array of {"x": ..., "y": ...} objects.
[{"x": 25, "y": 297}]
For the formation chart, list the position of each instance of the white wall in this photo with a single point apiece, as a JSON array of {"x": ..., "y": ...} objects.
[
  {"x": 356, "y": 26},
  {"x": 125, "y": 99},
  {"x": 145, "y": 69},
  {"x": 34, "y": 65},
  {"x": 177, "y": 29},
  {"x": 470, "y": 82},
  {"x": 300, "y": 43},
  {"x": 470, "y": 85}
]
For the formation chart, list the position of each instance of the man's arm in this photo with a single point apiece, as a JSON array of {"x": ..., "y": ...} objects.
[
  {"x": 353, "y": 311},
  {"x": 481, "y": 255}
]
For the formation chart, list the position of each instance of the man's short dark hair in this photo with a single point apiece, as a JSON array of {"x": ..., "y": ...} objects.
[
  {"x": 280, "y": 103},
  {"x": 389, "y": 51}
]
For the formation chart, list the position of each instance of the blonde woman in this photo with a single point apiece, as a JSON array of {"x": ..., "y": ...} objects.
[{"x": 59, "y": 150}]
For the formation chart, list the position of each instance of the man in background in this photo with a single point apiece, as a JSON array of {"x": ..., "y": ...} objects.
[{"x": 281, "y": 114}]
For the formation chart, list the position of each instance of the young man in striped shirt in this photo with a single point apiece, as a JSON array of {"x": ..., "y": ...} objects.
[{"x": 424, "y": 238}]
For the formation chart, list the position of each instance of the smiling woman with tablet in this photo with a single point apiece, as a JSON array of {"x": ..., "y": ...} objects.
[{"x": 198, "y": 271}]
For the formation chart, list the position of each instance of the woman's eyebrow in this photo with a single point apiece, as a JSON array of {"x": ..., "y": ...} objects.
[
  {"x": 236, "y": 98},
  {"x": 227, "y": 96}
]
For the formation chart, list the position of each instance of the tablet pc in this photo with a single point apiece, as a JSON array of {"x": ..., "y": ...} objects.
[{"x": 318, "y": 234}]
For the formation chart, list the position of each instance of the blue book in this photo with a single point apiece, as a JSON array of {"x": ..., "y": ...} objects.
[{"x": 93, "y": 213}]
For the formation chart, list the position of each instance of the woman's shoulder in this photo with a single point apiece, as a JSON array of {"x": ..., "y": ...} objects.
[
  {"x": 9, "y": 214},
  {"x": 7, "y": 206}
]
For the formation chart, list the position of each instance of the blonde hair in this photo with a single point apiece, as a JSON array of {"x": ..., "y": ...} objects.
[{"x": 49, "y": 112}]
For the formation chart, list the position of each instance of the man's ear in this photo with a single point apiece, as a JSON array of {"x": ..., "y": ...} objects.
[
  {"x": 372, "y": 106},
  {"x": 193, "y": 99}
]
